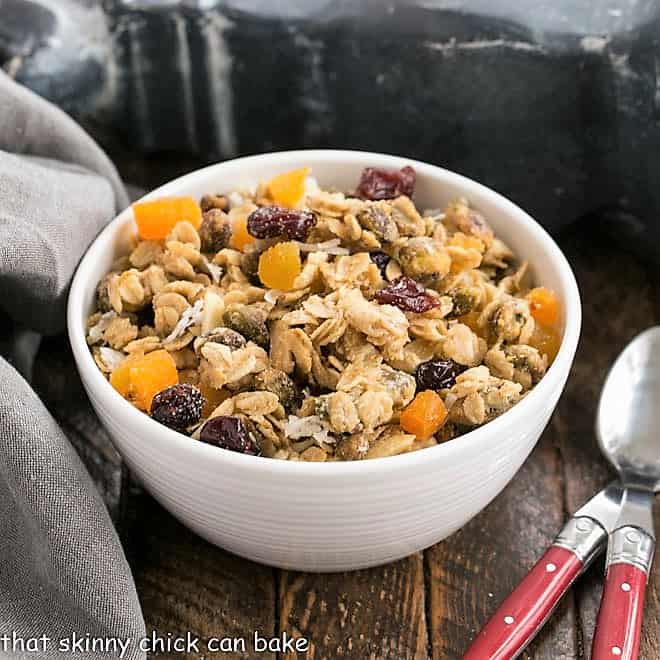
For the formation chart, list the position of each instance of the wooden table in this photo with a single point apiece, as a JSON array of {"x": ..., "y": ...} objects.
[{"x": 430, "y": 604}]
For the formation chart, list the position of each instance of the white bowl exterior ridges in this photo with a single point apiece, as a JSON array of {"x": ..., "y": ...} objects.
[{"x": 338, "y": 516}]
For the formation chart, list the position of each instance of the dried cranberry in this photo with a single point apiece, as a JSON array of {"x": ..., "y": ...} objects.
[
  {"x": 273, "y": 221},
  {"x": 229, "y": 433},
  {"x": 408, "y": 295},
  {"x": 381, "y": 260},
  {"x": 386, "y": 184},
  {"x": 437, "y": 374},
  {"x": 178, "y": 406}
]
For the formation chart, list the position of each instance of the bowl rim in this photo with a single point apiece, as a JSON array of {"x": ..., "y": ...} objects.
[{"x": 143, "y": 425}]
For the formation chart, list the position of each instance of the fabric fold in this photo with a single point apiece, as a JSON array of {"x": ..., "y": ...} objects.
[{"x": 63, "y": 572}]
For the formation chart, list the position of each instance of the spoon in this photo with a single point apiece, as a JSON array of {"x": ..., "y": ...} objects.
[
  {"x": 628, "y": 429},
  {"x": 620, "y": 515}
]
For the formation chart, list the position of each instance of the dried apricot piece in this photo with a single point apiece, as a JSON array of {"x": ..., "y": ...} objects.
[
  {"x": 156, "y": 218},
  {"x": 139, "y": 378},
  {"x": 153, "y": 373},
  {"x": 240, "y": 237},
  {"x": 424, "y": 415},
  {"x": 279, "y": 266},
  {"x": 544, "y": 306},
  {"x": 288, "y": 188},
  {"x": 546, "y": 341},
  {"x": 120, "y": 378}
]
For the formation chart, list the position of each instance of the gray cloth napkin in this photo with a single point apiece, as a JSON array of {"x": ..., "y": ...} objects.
[{"x": 62, "y": 568}]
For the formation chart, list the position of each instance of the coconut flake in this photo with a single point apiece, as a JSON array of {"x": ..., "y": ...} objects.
[
  {"x": 111, "y": 358},
  {"x": 214, "y": 307},
  {"x": 311, "y": 185},
  {"x": 235, "y": 199},
  {"x": 331, "y": 247},
  {"x": 272, "y": 295},
  {"x": 190, "y": 316},
  {"x": 324, "y": 436},
  {"x": 241, "y": 197},
  {"x": 214, "y": 270},
  {"x": 308, "y": 427},
  {"x": 333, "y": 242},
  {"x": 95, "y": 333},
  {"x": 302, "y": 427}
]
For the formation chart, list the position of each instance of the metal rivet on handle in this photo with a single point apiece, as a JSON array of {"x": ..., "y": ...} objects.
[
  {"x": 616, "y": 650},
  {"x": 584, "y": 525},
  {"x": 551, "y": 568},
  {"x": 625, "y": 586},
  {"x": 508, "y": 620}
]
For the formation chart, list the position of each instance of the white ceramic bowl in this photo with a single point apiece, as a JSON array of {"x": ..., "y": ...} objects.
[{"x": 334, "y": 516}]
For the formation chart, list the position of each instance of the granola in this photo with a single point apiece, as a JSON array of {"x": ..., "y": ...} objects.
[{"x": 318, "y": 325}]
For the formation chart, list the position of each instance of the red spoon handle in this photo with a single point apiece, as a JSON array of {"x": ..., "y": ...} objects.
[
  {"x": 522, "y": 614},
  {"x": 524, "y": 611},
  {"x": 620, "y": 616},
  {"x": 619, "y": 622}
]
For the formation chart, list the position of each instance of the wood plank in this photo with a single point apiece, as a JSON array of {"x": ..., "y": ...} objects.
[
  {"x": 377, "y": 613},
  {"x": 471, "y": 572},
  {"x": 650, "y": 644},
  {"x": 188, "y": 585},
  {"x": 56, "y": 381},
  {"x": 620, "y": 299}
]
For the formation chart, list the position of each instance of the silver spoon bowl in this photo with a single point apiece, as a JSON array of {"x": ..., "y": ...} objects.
[
  {"x": 628, "y": 429},
  {"x": 628, "y": 423}
]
